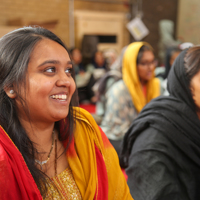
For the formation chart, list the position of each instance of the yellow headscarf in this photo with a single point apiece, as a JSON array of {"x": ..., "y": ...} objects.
[{"x": 131, "y": 79}]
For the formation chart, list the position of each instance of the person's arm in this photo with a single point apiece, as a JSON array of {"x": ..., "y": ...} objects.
[{"x": 152, "y": 171}]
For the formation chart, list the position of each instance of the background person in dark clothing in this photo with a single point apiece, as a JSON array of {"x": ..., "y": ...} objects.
[{"x": 161, "y": 150}]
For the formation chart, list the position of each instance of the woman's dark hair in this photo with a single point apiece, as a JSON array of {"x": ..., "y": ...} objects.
[
  {"x": 15, "y": 51},
  {"x": 141, "y": 51},
  {"x": 192, "y": 62}
]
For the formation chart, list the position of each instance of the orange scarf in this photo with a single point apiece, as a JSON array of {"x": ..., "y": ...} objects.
[
  {"x": 94, "y": 162},
  {"x": 131, "y": 79}
]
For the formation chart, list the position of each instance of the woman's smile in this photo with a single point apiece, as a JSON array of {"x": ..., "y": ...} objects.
[{"x": 60, "y": 97}]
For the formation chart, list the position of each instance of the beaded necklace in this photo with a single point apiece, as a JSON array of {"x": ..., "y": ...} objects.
[{"x": 41, "y": 163}]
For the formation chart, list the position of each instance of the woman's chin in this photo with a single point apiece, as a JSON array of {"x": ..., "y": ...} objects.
[{"x": 59, "y": 117}]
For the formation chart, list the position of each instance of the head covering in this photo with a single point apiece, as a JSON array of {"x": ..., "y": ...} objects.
[
  {"x": 185, "y": 45},
  {"x": 131, "y": 78},
  {"x": 174, "y": 116},
  {"x": 178, "y": 83}
]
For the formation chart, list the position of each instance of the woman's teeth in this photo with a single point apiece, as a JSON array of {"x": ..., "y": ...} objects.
[{"x": 60, "y": 97}]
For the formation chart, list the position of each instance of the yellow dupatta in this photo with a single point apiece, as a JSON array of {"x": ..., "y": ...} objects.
[
  {"x": 131, "y": 79},
  {"x": 83, "y": 162}
]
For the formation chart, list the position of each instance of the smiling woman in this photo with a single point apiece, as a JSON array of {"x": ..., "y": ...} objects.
[{"x": 49, "y": 149}]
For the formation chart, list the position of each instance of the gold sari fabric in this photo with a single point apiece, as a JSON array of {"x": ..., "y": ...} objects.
[{"x": 94, "y": 162}]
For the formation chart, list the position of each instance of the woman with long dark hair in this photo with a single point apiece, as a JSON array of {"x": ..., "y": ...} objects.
[{"x": 48, "y": 148}]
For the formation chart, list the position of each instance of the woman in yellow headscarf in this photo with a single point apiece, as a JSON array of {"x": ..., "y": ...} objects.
[{"x": 127, "y": 97}]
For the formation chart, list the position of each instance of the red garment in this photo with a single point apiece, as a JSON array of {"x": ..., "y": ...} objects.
[
  {"x": 102, "y": 189},
  {"x": 144, "y": 89},
  {"x": 16, "y": 181}
]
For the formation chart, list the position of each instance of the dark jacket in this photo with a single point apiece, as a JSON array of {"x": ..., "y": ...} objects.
[
  {"x": 161, "y": 149},
  {"x": 158, "y": 170}
]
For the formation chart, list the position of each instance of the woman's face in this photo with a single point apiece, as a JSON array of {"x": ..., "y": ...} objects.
[
  {"x": 99, "y": 59},
  {"x": 76, "y": 56},
  {"x": 195, "y": 87},
  {"x": 50, "y": 85},
  {"x": 173, "y": 57},
  {"x": 146, "y": 66}
]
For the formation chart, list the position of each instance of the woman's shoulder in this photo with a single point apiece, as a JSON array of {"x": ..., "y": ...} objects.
[
  {"x": 152, "y": 143},
  {"x": 150, "y": 138},
  {"x": 84, "y": 120},
  {"x": 118, "y": 88}
]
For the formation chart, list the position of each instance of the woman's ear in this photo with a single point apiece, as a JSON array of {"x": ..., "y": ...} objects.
[{"x": 10, "y": 92}]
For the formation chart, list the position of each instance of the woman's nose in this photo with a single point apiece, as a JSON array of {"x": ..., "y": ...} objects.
[
  {"x": 63, "y": 80},
  {"x": 153, "y": 67}
]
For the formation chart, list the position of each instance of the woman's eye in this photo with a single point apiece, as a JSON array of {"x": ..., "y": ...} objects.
[
  {"x": 68, "y": 71},
  {"x": 50, "y": 70}
]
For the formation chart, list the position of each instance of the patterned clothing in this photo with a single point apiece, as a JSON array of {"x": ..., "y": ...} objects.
[
  {"x": 126, "y": 98},
  {"x": 120, "y": 111},
  {"x": 63, "y": 187}
]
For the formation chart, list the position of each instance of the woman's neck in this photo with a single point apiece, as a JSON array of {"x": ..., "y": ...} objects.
[
  {"x": 144, "y": 89},
  {"x": 143, "y": 83},
  {"x": 39, "y": 133}
]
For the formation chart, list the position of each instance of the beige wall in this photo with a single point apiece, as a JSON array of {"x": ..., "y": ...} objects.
[{"x": 189, "y": 21}]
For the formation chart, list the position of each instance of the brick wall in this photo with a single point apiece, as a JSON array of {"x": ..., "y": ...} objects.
[
  {"x": 37, "y": 11},
  {"x": 153, "y": 12},
  {"x": 46, "y": 10},
  {"x": 98, "y": 6},
  {"x": 188, "y": 21}
]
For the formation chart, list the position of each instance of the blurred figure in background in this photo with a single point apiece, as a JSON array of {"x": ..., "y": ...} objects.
[
  {"x": 84, "y": 77},
  {"x": 76, "y": 57},
  {"x": 99, "y": 65},
  {"x": 127, "y": 97},
  {"x": 102, "y": 86},
  {"x": 166, "y": 31},
  {"x": 162, "y": 72},
  {"x": 171, "y": 55},
  {"x": 99, "y": 60},
  {"x": 110, "y": 57}
]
